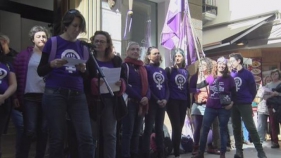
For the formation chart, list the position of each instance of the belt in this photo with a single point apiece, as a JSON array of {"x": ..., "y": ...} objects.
[
  {"x": 200, "y": 103},
  {"x": 63, "y": 91}
]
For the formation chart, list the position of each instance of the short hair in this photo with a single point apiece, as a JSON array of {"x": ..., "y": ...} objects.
[
  {"x": 148, "y": 52},
  {"x": 237, "y": 56},
  {"x": 274, "y": 71},
  {"x": 36, "y": 29},
  {"x": 109, "y": 42},
  {"x": 69, "y": 17},
  {"x": 131, "y": 43},
  {"x": 4, "y": 37}
]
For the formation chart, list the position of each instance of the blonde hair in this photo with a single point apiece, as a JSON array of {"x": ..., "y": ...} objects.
[
  {"x": 131, "y": 44},
  {"x": 4, "y": 38}
]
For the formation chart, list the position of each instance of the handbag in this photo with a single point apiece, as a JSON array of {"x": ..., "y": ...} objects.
[
  {"x": 225, "y": 99},
  {"x": 276, "y": 100}
]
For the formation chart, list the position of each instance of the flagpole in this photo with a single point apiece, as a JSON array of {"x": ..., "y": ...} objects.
[{"x": 193, "y": 35}]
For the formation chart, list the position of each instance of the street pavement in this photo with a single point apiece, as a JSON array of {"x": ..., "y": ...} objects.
[{"x": 249, "y": 152}]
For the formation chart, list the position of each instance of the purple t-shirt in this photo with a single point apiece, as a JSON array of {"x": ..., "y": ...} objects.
[
  {"x": 225, "y": 86},
  {"x": 5, "y": 69},
  {"x": 66, "y": 76},
  {"x": 245, "y": 86},
  {"x": 108, "y": 64},
  {"x": 157, "y": 79},
  {"x": 178, "y": 84}
]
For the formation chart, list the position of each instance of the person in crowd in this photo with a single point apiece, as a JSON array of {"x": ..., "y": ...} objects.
[
  {"x": 263, "y": 113},
  {"x": 64, "y": 91},
  {"x": 16, "y": 113},
  {"x": 138, "y": 95},
  {"x": 199, "y": 105},
  {"x": 30, "y": 91},
  {"x": 158, "y": 83},
  {"x": 219, "y": 84},
  {"x": 7, "y": 88},
  {"x": 108, "y": 119},
  {"x": 242, "y": 108},
  {"x": 179, "y": 99},
  {"x": 276, "y": 80}
]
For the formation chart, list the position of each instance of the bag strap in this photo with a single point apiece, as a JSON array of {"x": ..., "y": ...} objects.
[
  {"x": 53, "y": 48},
  {"x": 127, "y": 72},
  {"x": 217, "y": 85},
  {"x": 85, "y": 53}
]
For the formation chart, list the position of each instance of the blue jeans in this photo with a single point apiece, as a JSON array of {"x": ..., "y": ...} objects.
[
  {"x": 208, "y": 119},
  {"x": 35, "y": 127},
  {"x": 156, "y": 114},
  {"x": 131, "y": 126},
  {"x": 262, "y": 126},
  {"x": 245, "y": 132},
  {"x": 17, "y": 119},
  {"x": 56, "y": 104}
]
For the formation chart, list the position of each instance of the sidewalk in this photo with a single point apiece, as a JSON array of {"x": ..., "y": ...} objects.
[{"x": 249, "y": 152}]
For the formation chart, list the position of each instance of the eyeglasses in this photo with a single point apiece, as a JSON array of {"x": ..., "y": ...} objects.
[{"x": 99, "y": 41}]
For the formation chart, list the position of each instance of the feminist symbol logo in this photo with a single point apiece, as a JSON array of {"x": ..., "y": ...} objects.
[
  {"x": 158, "y": 79},
  {"x": 180, "y": 81}
]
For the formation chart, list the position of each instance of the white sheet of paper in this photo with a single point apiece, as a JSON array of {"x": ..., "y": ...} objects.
[
  {"x": 73, "y": 61},
  {"x": 267, "y": 89},
  {"x": 112, "y": 75}
]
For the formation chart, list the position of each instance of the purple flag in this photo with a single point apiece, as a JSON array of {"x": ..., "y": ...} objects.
[
  {"x": 171, "y": 31},
  {"x": 187, "y": 38},
  {"x": 190, "y": 38}
]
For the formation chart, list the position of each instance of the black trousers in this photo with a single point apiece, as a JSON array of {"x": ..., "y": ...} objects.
[{"x": 176, "y": 110}]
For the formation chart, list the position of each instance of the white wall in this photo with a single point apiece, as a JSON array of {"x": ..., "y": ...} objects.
[
  {"x": 229, "y": 10},
  {"x": 44, "y": 4}
]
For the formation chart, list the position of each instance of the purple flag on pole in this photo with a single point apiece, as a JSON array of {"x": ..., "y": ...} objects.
[
  {"x": 191, "y": 55},
  {"x": 171, "y": 31}
]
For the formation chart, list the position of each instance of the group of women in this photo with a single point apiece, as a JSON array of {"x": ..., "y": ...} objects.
[
  {"x": 51, "y": 91},
  {"x": 222, "y": 93}
]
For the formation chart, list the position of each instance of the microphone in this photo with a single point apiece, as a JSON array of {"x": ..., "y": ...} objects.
[{"x": 89, "y": 45}]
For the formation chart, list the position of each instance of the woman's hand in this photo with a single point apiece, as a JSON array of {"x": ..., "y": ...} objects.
[
  {"x": 144, "y": 101},
  {"x": 275, "y": 93},
  {"x": 81, "y": 67},
  {"x": 162, "y": 103},
  {"x": 118, "y": 83},
  {"x": 101, "y": 82},
  {"x": 16, "y": 103},
  {"x": 57, "y": 63},
  {"x": 229, "y": 106},
  {"x": 2, "y": 99}
]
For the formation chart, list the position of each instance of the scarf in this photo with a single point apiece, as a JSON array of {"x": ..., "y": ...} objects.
[{"x": 144, "y": 82}]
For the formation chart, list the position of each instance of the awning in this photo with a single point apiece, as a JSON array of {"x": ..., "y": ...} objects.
[{"x": 221, "y": 36}]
